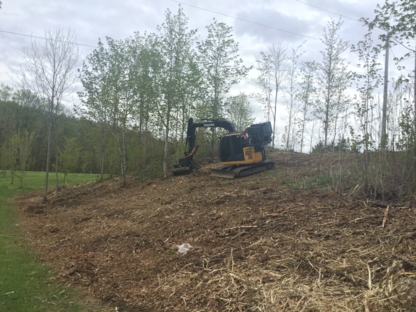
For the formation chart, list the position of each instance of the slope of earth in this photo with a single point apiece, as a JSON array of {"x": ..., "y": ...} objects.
[{"x": 278, "y": 240}]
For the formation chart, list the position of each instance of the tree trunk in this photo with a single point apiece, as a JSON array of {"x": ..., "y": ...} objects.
[
  {"x": 326, "y": 120},
  {"x": 414, "y": 132},
  {"x": 303, "y": 132},
  {"x": 275, "y": 113},
  {"x": 56, "y": 168},
  {"x": 102, "y": 155},
  {"x": 102, "y": 159},
  {"x": 165, "y": 149},
  {"x": 385, "y": 97},
  {"x": 48, "y": 150},
  {"x": 289, "y": 128},
  {"x": 122, "y": 152}
]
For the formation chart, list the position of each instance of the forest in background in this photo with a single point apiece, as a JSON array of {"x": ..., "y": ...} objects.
[{"x": 138, "y": 94}]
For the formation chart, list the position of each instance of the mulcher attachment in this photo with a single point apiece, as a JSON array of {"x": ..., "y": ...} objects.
[
  {"x": 184, "y": 166},
  {"x": 231, "y": 172}
]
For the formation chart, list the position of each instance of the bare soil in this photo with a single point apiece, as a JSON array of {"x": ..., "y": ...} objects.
[{"x": 281, "y": 240}]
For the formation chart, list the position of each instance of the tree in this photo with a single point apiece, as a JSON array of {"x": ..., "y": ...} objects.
[
  {"x": 221, "y": 65},
  {"x": 274, "y": 68},
  {"x": 239, "y": 111},
  {"x": 292, "y": 75},
  {"x": 328, "y": 72},
  {"x": 264, "y": 80},
  {"x": 19, "y": 151},
  {"x": 306, "y": 94},
  {"x": 95, "y": 97},
  {"x": 221, "y": 68},
  {"x": 49, "y": 68},
  {"x": 144, "y": 77},
  {"x": 28, "y": 102},
  {"x": 406, "y": 30},
  {"x": 174, "y": 46},
  {"x": 366, "y": 83},
  {"x": 398, "y": 20},
  {"x": 5, "y": 92},
  {"x": 25, "y": 141},
  {"x": 70, "y": 156},
  {"x": 121, "y": 98},
  {"x": 7, "y": 160}
]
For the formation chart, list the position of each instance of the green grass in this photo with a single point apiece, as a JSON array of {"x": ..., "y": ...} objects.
[
  {"x": 308, "y": 183},
  {"x": 26, "y": 284}
]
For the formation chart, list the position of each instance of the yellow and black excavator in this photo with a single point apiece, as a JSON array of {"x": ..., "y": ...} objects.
[{"x": 241, "y": 152}]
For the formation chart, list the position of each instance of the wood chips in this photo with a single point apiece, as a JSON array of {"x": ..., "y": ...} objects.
[{"x": 261, "y": 243}]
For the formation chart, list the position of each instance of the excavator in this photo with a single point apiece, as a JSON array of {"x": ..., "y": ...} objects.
[{"x": 241, "y": 152}]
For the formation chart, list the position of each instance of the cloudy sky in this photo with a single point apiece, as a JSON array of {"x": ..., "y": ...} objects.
[{"x": 256, "y": 24}]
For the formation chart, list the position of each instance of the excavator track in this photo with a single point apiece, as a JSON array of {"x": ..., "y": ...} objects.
[{"x": 232, "y": 172}]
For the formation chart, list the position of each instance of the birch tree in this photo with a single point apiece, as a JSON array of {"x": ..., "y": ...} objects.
[
  {"x": 328, "y": 72},
  {"x": 264, "y": 81},
  {"x": 367, "y": 83},
  {"x": 292, "y": 80},
  {"x": 306, "y": 95},
  {"x": 274, "y": 62}
]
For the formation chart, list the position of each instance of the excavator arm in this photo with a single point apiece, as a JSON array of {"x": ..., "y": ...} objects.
[{"x": 187, "y": 164}]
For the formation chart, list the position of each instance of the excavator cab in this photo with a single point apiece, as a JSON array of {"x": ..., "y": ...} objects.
[{"x": 231, "y": 148}]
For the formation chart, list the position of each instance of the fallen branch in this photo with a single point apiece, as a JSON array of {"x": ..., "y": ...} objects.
[{"x": 385, "y": 216}]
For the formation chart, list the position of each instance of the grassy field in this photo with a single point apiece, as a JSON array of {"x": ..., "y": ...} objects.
[{"x": 25, "y": 284}]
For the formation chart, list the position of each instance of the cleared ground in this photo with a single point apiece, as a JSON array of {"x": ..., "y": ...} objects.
[{"x": 276, "y": 241}]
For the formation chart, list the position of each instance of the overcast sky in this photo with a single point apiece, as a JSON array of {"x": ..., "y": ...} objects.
[{"x": 289, "y": 21}]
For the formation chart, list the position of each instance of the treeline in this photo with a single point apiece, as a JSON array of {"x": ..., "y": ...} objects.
[
  {"x": 139, "y": 92},
  {"x": 154, "y": 82},
  {"x": 76, "y": 148},
  {"x": 138, "y": 95}
]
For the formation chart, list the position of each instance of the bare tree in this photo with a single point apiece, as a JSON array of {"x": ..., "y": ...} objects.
[
  {"x": 279, "y": 65},
  {"x": 49, "y": 69},
  {"x": 273, "y": 68},
  {"x": 264, "y": 81},
  {"x": 292, "y": 77},
  {"x": 306, "y": 95}
]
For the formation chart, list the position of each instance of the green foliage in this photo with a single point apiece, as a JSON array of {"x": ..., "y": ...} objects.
[
  {"x": 239, "y": 111},
  {"x": 308, "y": 183},
  {"x": 70, "y": 156},
  {"x": 342, "y": 145},
  {"x": 221, "y": 66},
  {"x": 6, "y": 92},
  {"x": 331, "y": 76}
]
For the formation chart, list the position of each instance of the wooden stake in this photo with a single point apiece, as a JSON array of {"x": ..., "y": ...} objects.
[{"x": 385, "y": 216}]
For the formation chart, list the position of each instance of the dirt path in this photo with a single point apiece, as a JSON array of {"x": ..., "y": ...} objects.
[{"x": 273, "y": 241}]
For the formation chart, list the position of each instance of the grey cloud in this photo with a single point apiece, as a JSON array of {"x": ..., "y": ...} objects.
[
  {"x": 291, "y": 26},
  {"x": 346, "y": 9}
]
